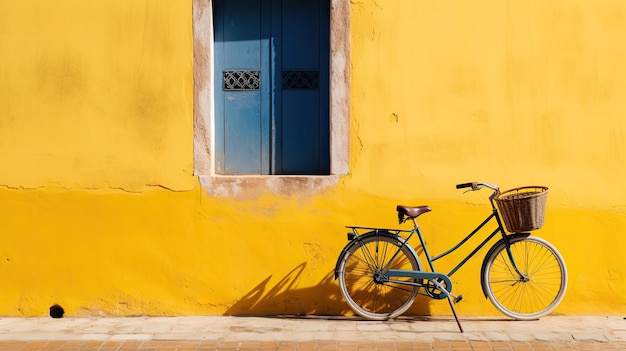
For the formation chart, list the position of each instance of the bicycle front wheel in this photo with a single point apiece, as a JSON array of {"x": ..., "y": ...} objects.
[
  {"x": 530, "y": 297},
  {"x": 362, "y": 279}
]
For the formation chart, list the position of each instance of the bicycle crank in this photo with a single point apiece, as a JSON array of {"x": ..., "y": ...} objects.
[
  {"x": 439, "y": 281},
  {"x": 437, "y": 285}
]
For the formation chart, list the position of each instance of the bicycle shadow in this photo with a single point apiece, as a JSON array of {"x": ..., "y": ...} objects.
[{"x": 286, "y": 298}]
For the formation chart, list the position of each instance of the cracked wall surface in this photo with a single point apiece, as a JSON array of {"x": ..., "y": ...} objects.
[{"x": 83, "y": 105}]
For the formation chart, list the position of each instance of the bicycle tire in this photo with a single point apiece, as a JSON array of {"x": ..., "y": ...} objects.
[
  {"x": 531, "y": 299},
  {"x": 358, "y": 267}
]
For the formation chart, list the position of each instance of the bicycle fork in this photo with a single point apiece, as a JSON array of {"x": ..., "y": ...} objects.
[{"x": 523, "y": 277}]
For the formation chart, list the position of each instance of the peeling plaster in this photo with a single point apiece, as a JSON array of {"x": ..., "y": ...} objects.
[
  {"x": 253, "y": 187},
  {"x": 108, "y": 186}
]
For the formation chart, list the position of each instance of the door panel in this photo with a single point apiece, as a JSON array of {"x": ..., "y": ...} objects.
[
  {"x": 301, "y": 132},
  {"x": 242, "y": 145},
  {"x": 241, "y": 84},
  {"x": 301, "y": 34}
]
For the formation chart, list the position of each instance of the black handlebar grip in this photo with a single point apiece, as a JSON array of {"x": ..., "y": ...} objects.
[{"x": 464, "y": 185}]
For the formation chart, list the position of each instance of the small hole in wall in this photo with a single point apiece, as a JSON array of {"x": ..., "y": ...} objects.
[{"x": 56, "y": 311}]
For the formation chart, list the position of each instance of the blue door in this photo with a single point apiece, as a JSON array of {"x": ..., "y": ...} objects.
[{"x": 272, "y": 86}]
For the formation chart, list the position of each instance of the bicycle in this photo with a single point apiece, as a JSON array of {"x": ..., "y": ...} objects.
[{"x": 380, "y": 273}]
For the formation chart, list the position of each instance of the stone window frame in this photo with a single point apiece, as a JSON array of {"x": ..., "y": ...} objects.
[{"x": 254, "y": 185}]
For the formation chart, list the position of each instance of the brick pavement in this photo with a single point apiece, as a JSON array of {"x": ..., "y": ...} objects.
[
  {"x": 310, "y": 333},
  {"x": 188, "y": 345}
]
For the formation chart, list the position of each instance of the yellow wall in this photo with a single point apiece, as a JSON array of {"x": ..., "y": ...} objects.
[{"x": 100, "y": 211}]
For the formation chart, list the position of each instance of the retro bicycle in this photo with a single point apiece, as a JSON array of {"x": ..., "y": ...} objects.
[{"x": 524, "y": 276}]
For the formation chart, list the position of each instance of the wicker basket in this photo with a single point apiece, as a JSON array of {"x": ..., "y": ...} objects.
[{"x": 523, "y": 209}]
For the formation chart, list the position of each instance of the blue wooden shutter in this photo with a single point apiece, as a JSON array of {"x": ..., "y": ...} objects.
[
  {"x": 304, "y": 104},
  {"x": 242, "y": 107},
  {"x": 271, "y": 80}
]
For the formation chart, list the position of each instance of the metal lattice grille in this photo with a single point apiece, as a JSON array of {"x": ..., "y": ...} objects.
[
  {"x": 300, "y": 79},
  {"x": 242, "y": 80}
]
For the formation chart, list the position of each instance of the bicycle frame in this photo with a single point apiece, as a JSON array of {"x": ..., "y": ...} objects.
[
  {"x": 489, "y": 218},
  {"x": 430, "y": 259}
]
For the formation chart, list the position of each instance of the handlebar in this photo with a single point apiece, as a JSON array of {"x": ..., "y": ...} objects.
[
  {"x": 464, "y": 185},
  {"x": 477, "y": 186}
]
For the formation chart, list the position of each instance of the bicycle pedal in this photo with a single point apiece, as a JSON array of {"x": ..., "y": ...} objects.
[{"x": 458, "y": 299}]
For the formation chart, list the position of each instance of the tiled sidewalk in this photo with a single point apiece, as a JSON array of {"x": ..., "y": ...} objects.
[
  {"x": 169, "y": 345},
  {"x": 310, "y": 333}
]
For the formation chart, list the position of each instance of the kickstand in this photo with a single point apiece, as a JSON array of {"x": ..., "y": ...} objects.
[
  {"x": 449, "y": 296},
  {"x": 454, "y": 313}
]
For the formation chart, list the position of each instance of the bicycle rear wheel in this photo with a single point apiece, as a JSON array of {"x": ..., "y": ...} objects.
[
  {"x": 535, "y": 296},
  {"x": 361, "y": 276}
]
